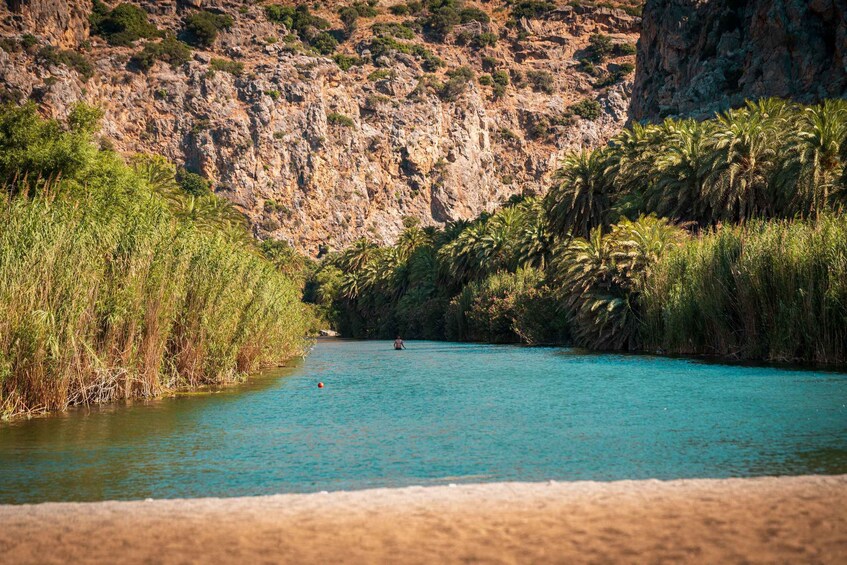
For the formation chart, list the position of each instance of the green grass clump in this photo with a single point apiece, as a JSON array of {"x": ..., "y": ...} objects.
[
  {"x": 347, "y": 62},
  {"x": 115, "y": 284},
  {"x": 227, "y": 66},
  {"x": 336, "y": 119}
]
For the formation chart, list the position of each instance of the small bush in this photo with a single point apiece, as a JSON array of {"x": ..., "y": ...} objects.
[
  {"x": 227, "y": 66},
  {"x": 203, "y": 27},
  {"x": 121, "y": 26},
  {"x": 169, "y": 50},
  {"x": 624, "y": 49},
  {"x": 599, "y": 47},
  {"x": 399, "y": 10},
  {"x": 336, "y": 119},
  {"x": 532, "y": 9},
  {"x": 484, "y": 40},
  {"x": 28, "y": 41},
  {"x": 489, "y": 63},
  {"x": 9, "y": 45},
  {"x": 380, "y": 74},
  {"x": 456, "y": 84},
  {"x": 415, "y": 7},
  {"x": 615, "y": 76},
  {"x": 192, "y": 183},
  {"x": 324, "y": 43},
  {"x": 469, "y": 15},
  {"x": 486, "y": 80},
  {"x": 541, "y": 81},
  {"x": 507, "y": 135},
  {"x": 401, "y": 31},
  {"x": 501, "y": 81},
  {"x": 587, "y": 66},
  {"x": 440, "y": 22},
  {"x": 348, "y": 16},
  {"x": 366, "y": 9},
  {"x": 71, "y": 59},
  {"x": 538, "y": 127},
  {"x": 346, "y": 62},
  {"x": 587, "y": 109},
  {"x": 299, "y": 19}
]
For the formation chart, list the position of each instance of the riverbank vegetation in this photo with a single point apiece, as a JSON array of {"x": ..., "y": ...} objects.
[
  {"x": 721, "y": 237},
  {"x": 116, "y": 282}
]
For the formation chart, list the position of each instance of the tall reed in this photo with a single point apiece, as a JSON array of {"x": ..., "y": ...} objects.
[
  {"x": 107, "y": 293},
  {"x": 773, "y": 291}
]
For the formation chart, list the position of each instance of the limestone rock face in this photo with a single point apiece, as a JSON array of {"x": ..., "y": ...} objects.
[
  {"x": 319, "y": 156},
  {"x": 64, "y": 22},
  {"x": 696, "y": 57}
]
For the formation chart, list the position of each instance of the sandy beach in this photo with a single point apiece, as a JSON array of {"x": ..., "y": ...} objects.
[{"x": 763, "y": 520}]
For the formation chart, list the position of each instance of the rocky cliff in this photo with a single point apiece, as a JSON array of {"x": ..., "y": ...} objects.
[
  {"x": 699, "y": 56},
  {"x": 317, "y": 155}
]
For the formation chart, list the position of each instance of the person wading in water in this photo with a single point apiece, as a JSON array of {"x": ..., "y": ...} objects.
[{"x": 398, "y": 344}]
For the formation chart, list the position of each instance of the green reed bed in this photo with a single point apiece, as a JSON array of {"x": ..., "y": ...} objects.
[
  {"x": 108, "y": 291},
  {"x": 773, "y": 290}
]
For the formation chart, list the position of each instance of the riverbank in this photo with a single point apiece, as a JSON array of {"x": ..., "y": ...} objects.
[{"x": 785, "y": 519}]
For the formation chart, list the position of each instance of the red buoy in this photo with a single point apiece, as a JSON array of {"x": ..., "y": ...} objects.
[{"x": 320, "y": 385}]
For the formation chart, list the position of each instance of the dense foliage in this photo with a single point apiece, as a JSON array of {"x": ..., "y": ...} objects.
[
  {"x": 202, "y": 27},
  {"x": 725, "y": 236},
  {"x": 117, "y": 283},
  {"x": 123, "y": 25}
]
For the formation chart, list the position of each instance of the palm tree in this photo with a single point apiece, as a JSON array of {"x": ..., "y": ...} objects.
[
  {"x": 682, "y": 165},
  {"x": 601, "y": 279},
  {"x": 638, "y": 245},
  {"x": 534, "y": 244},
  {"x": 351, "y": 284},
  {"x": 581, "y": 199},
  {"x": 630, "y": 157},
  {"x": 746, "y": 152},
  {"x": 459, "y": 259},
  {"x": 495, "y": 250},
  {"x": 158, "y": 172},
  {"x": 355, "y": 257},
  {"x": 378, "y": 272},
  {"x": 213, "y": 213},
  {"x": 815, "y": 165},
  {"x": 411, "y": 239}
]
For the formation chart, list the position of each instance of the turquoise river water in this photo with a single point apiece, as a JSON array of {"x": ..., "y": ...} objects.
[{"x": 437, "y": 413}]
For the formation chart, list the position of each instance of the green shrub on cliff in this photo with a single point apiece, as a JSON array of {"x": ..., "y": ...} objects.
[
  {"x": 77, "y": 61},
  {"x": 123, "y": 25},
  {"x": 203, "y": 27},
  {"x": 169, "y": 50}
]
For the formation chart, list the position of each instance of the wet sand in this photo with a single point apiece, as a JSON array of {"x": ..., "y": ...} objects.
[{"x": 767, "y": 520}]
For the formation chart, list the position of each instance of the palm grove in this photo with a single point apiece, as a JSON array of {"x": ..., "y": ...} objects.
[{"x": 721, "y": 237}]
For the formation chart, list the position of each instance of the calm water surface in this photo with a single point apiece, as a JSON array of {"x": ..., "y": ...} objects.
[{"x": 434, "y": 414}]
